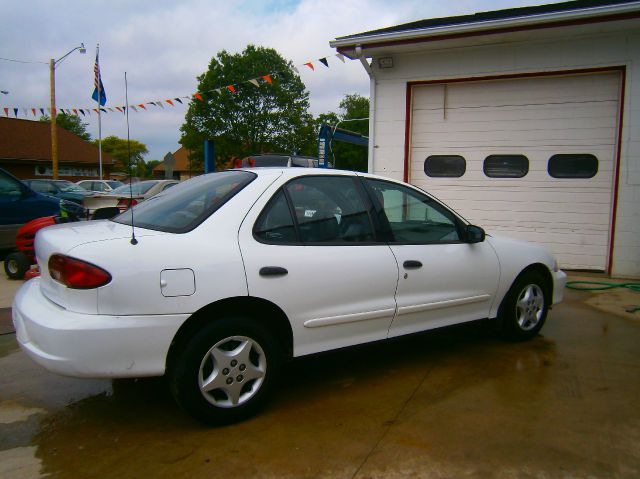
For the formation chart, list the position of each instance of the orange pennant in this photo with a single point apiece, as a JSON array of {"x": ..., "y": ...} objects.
[
  {"x": 198, "y": 96},
  {"x": 310, "y": 65},
  {"x": 267, "y": 78},
  {"x": 34, "y": 111},
  {"x": 231, "y": 89},
  {"x": 141, "y": 105},
  {"x": 169, "y": 102}
]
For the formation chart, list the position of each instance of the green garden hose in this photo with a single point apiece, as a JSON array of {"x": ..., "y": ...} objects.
[{"x": 601, "y": 286}]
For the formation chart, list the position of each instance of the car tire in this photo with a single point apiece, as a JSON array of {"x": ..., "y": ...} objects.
[
  {"x": 224, "y": 372},
  {"x": 16, "y": 265},
  {"x": 524, "y": 308}
]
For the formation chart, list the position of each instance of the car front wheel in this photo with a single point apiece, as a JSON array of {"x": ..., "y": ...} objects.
[
  {"x": 524, "y": 308},
  {"x": 224, "y": 372}
]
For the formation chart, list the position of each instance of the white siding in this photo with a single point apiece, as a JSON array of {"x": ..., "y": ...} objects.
[{"x": 517, "y": 57}]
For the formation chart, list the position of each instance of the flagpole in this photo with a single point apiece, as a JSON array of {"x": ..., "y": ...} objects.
[{"x": 99, "y": 118}]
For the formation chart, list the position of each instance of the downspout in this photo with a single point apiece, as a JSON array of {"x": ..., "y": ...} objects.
[{"x": 372, "y": 108}]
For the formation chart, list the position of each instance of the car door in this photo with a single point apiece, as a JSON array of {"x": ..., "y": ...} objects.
[
  {"x": 443, "y": 279},
  {"x": 310, "y": 248}
]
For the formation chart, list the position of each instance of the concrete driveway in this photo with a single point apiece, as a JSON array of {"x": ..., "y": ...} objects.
[{"x": 447, "y": 404}]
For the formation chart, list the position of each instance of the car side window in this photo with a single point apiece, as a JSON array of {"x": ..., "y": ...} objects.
[
  {"x": 42, "y": 187},
  {"x": 414, "y": 217},
  {"x": 325, "y": 209},
  {"x": 9, "y": 189}
]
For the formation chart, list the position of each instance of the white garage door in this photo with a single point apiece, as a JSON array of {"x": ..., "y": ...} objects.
[{"x": 525, "y": 122}]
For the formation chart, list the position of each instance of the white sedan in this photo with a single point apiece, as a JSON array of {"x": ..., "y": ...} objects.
[{"x": 218, "y": 280}]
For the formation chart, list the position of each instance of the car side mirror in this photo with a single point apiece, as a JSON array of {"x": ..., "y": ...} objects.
[{"x": 474, "y": 234}]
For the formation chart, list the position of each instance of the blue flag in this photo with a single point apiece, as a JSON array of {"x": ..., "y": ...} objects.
[{"x": 98, "y": 91}]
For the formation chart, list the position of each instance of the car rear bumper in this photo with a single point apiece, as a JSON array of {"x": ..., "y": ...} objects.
[{"x": 85, "y": 345}]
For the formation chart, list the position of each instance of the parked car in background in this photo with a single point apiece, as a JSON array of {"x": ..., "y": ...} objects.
[
  {"x": 277, "y": 159},
  {"x": 20, "y": 204},
  {"x": 234, "y": 272},
  {"x": 127, "y": 195},
  {"x": 61, "y": 189},
  {"x": 103, "y": 186}
]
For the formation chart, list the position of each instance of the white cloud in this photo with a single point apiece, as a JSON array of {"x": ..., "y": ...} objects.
[{"x": 164, "y": 45}]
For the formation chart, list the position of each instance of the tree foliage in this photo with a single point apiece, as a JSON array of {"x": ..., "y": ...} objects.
[
  {"x": 72, "y": 123},
  {"x": 270, "y": 117},
  {"x": 345, "y": 155},
  {"x": 118, "y": 149}
]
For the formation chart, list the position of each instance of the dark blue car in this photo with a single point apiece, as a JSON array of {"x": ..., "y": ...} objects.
[{"x": 19, "y": 204}]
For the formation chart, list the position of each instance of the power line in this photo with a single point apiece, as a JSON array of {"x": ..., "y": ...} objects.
[{"x": 20, "y": 61}]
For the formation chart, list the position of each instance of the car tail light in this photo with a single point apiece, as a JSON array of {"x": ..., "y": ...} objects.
[
  {"x": 77, "y": 274},
  {"x": 252, "y": 162},
  {"x": 125, "y": 203}
]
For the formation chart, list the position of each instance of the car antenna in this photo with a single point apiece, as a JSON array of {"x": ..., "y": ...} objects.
[{"x": 133, "y": 241}]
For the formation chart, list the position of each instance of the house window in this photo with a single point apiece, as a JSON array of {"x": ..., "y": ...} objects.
[
  {"x": 445, "y": 166},
  {"x": 506, "y": 166},
  {"x": 573, "y": 166}
]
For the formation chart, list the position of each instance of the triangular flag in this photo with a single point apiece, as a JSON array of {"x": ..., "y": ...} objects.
[
  {"x": 231, "y": 89},
  {"x": 6, "y": 111},
  {"x": 198, "y": 96},
  {"x": 34, "y": 111},
  {"x": 267, "y": 78},
  {"x": 324, "y": 61},
  {"x": 170, "y": 102},
  {"x": 254, "y": 82},
  {"x": 110, "y": 109},
  {"x": 102, "y": 109},
  {"x": 159, "y": 103},
  {"x": 133, "y": 108},
  {"x": 42, "y": 111},
  {"x": 75, "y": 111},
  {"x": 141, "y": 105},
  {"x": 178, "y": 100},
  {"x": 82, "y": 111},
  {"x": 15, "y": 112},
  {"x": 340, "y": 57},
  {"x": 310, "y": 65},
  {"x": 119, "y": 109},
  {"x": 295, "y": 69}
]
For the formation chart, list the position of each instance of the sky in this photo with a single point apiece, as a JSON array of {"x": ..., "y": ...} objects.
[{"x": 163, "y": 45}]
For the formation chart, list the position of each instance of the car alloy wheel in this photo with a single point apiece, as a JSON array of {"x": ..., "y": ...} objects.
[
  {"x": 530, "y": 307},
  {"x": 232, "y": 371}
]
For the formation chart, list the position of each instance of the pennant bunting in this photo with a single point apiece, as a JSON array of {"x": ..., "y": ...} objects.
[
  {"x": 82, "y": 111},
  {"x": 42, "y": 111},
  {"x": 119, "y": 109},
  {"x": 310, "y": 65},
  {"x": 254, "y": 82},
  {"x": 324, "y": 61},
  {"x": 198, "y": 96},
  {"x": 170, "y": 102},
  {"x": 231, "y": 89},
  {"x": 133, "y": 108},
  {"x": 141, "y": 105},
  {"x": 34, "y": 111},
  {"x": 15, "y": 112},
  {"x": 267, "y": 78},
  {"x": 340, "y": 57},
  {"x": 178, "y": 100}
]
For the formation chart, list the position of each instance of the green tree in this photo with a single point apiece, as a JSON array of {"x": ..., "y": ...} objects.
[
  {"x": 353, "y": 116},
  {"x": 72, "y": 123},
  {"x": 119, "y": 148},
  {"x": 270, "y": 117}
]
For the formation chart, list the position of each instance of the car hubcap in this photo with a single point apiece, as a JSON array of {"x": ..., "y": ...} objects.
[
  {"x": 12, "y": 266},
  {"x": 232, "y": 371},
  {"x": 529, "y": 307}
]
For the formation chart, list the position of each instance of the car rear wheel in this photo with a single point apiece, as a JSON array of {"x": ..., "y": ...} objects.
[
  {"x": 16, "y": 265},
  {"x": 225, "y": 371},
  {"x": 524, "y": 308}
]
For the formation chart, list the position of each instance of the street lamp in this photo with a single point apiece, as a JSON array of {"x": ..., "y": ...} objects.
[{"x": 54, "y": 134}]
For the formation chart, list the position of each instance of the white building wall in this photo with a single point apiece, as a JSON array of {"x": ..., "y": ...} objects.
[{"x": 543, "y": 55}]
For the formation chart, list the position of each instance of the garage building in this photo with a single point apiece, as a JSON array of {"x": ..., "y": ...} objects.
[{"x": 526, "y": 121}]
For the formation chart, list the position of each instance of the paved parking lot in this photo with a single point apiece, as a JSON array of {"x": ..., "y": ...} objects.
[{"x": 447, "y": 404}]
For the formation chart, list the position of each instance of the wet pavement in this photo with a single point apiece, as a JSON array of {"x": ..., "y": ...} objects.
[{"x": 446, "y": 404}]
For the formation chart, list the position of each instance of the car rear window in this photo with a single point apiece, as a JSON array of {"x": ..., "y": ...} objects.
[
  {"x": 266, "y": 160},
  {"x": 183, "y": 207}
]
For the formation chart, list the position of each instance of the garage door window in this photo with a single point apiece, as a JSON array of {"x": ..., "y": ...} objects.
[
  {"x": 573, "y": 166},
  {"x": 506, "y": 166},
  {"x": 445, "y": 166}
]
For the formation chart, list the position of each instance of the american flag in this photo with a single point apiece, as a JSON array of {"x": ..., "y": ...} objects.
[{"x": 97, "y": 82}]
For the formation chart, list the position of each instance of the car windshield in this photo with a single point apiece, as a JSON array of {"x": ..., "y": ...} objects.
[
  {"x": 139, "y": 188},
  {"x": 69, "y": 187},
  {"x": 115, "y": 184},
  {"x": 184, "y": 206}
]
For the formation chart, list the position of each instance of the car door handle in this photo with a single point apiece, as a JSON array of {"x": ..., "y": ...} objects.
[
  {"x": 412, "y": 264},
  {"x": 273, "y": 271}
]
